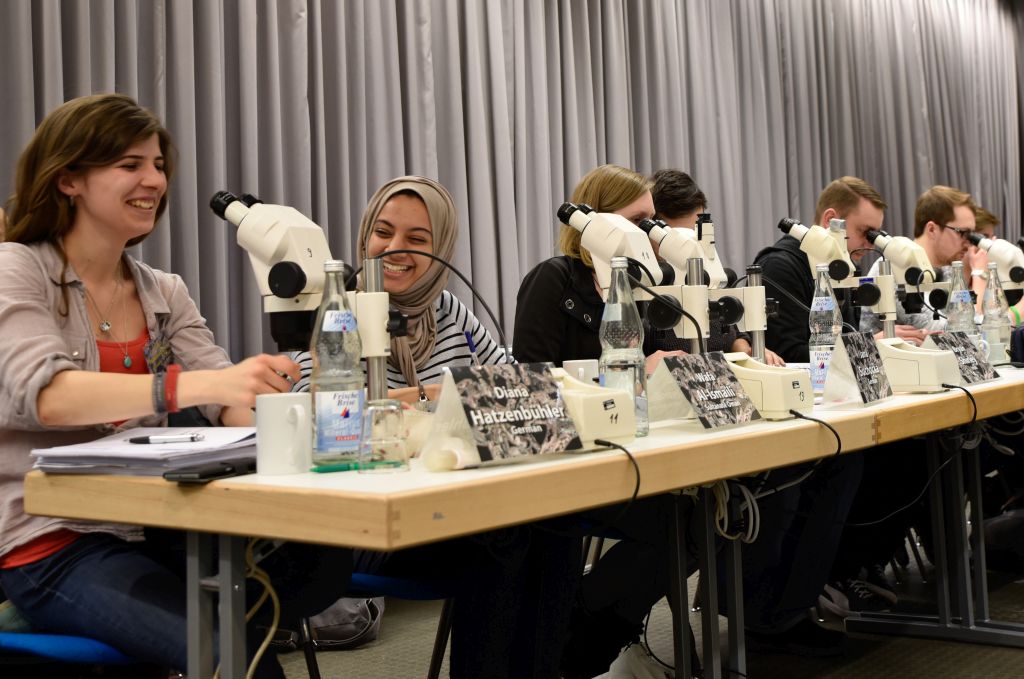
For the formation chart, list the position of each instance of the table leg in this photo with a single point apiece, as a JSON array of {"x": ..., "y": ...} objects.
[
  {"x": 955, "y": 583},
  {"x": 709, "y": 595},
  {"x": 231, "y": 582},
  {"x": 677, "y": 581},
  {"x": 199, "y": 564}
]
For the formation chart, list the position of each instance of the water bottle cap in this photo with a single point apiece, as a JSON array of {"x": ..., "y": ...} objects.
[
  {"x": 333, "y": 265},
  {"x": 620, "y": 261},
  {"x": 821, "y": 267}
]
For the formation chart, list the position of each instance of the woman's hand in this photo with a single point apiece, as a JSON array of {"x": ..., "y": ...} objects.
[
  {"x": 240, "y": 384},
  {"x": 652, "y": 361},
  {"x": 771, "y": 358},
  {"x": 411, "y": 395}
]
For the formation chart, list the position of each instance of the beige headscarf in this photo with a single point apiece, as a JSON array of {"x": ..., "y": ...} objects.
[{"x": 419, "y": 300}]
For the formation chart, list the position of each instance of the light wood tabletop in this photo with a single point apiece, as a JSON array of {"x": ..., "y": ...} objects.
[{"x": 393, "y": 511}]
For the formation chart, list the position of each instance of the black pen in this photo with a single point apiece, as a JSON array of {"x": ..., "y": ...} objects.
[{"x": 167, "y": 438}]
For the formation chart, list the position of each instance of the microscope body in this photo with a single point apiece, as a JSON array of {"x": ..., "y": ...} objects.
[
  {"x": 1008, "y": 258},
  {"x": 287, "y": 252}
]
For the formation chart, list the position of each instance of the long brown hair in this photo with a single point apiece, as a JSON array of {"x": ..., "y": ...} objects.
[
  {"x": 83, "y": 133},
  {"x": 606, "y": 189}
]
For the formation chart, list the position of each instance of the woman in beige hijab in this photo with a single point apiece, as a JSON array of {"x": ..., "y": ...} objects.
[{"x": 416, "y": 213}]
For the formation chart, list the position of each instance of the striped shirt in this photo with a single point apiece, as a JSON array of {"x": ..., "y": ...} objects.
[{"x": 450, "y": 348}]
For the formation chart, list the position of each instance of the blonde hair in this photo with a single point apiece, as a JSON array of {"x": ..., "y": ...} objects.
[
  {"x": 936, "y": 205},
  {"x": 844, "y": 194},
  {"x": 606, "y": 189}
]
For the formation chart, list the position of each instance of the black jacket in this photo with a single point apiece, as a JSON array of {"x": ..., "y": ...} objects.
[
  {"x": 787, "y": 267},
  {"x": 558, "y": 313}
]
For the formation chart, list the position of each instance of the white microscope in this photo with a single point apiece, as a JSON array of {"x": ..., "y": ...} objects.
[{"x": 287, "y": 252}]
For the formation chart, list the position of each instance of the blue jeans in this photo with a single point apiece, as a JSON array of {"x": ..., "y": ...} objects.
[{"x": 132, "y": 595}]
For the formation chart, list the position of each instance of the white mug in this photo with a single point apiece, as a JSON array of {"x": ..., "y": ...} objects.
[
  {"x": 584, "y": 370},
  {"x": 284, "y": 433}
]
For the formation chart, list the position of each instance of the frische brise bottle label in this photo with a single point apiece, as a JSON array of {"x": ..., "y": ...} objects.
[
  {"x": 338, "y": 422},
  {"x": 823, "y": 304},
  {"x": 338, "y": 320}
]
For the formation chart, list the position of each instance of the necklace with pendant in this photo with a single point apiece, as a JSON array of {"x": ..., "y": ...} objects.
[{"x": 105, "y": 326}]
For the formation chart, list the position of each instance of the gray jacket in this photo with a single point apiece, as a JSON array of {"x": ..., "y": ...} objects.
[{"x": 38, "y": 342}]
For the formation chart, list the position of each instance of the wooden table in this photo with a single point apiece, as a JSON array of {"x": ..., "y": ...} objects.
[{"x": 387, "y": 512}]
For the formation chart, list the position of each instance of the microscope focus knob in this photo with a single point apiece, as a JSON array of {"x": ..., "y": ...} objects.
[
  {"x": 286, "y": 279},
  {"x": 1017, "y": 274}
]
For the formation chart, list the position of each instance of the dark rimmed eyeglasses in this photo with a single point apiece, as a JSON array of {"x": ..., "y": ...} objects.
[{"x": 961, "y": 231}]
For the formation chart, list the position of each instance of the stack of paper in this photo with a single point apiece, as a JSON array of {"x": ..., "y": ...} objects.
[{"x": 152, "y": 453}]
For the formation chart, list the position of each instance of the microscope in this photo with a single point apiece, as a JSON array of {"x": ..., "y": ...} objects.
[
  {"x": 287, "y": 252},
  {"x": 1009, "y": 259},
  {"x": 702, "y": 292}
]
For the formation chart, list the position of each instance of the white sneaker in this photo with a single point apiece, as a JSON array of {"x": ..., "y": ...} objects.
[{"x": 635, "y": 663}]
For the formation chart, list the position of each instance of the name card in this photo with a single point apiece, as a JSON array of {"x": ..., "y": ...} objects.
[
  {"x": 971, "y": 360},
  {"x": 498, "y": 413},
  {"x": 711, "y": 389},
  {"x": 856, "y": 374}
]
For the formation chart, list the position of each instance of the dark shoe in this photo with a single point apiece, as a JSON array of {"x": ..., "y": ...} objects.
[
  {"x": 805, "y": 638},
  {"x": 843, "y": 597},
  {"x": 878, "y": 582},
  {"x": 595, "y": 641}
]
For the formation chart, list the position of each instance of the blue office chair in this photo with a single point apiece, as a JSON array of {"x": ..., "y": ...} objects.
[
  {"x": 80, "y": 650},
  {"x": 410, "y": 589}
]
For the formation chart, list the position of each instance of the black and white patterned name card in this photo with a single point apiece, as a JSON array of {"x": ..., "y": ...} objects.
[
  {"x": 712, "y": 390},
  {"x": 505, "y": 411},
  {"x": 856, "y": 373},
  {"x": 972, "y": 361}
]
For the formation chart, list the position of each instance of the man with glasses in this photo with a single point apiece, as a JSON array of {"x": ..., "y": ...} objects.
[{"x": 943, "y": 218}]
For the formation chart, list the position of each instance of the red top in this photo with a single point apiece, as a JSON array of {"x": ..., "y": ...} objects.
[{"x": 112, "y": 360}]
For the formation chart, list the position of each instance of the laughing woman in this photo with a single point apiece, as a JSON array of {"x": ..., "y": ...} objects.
[
  {"x": 95, "y": 342},
  {"x": 416, "y": 213}
]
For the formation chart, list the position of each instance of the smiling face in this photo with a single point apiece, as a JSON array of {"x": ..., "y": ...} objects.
[
  {"x": 402, "y": 224},
  {"x": 120, "y": 198}
]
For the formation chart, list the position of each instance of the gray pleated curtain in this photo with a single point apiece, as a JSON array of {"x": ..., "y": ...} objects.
[{"x": 314, "y": 103}]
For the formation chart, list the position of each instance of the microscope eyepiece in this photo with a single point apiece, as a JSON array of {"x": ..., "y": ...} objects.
[
  {"x": 975, "y": 237},
  {"x": 565, "y": 212},
  {"x": 787, "y": 223},
  {"x": 646, "y": 225},
  {"x": 220, "y": 201},
  {"x": 249, "y": 200}
]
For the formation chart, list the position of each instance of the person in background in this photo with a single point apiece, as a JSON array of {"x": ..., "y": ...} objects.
[
  {"x": 893, "y": 474},
  {"x": 943, "y": 218},
  {"x": 975, "y": 263},
  {"x": 416, "y": 213},
  {"x": 787, "y": 567},
  {"x": 96, "y": 342},
  {"x": 513, "y": 588},
  {"x": 558, "y": 318},
  {"x": 678, "y": 201}
]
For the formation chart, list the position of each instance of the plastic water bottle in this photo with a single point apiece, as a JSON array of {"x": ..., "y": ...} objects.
[
  {"x": 825, "y": 323},
  {"x": 622, "y": 337},
  {"x": 959, "y": 308},
  {"x": 337, "y": 380},
  {"x": 995, "y": 323}
]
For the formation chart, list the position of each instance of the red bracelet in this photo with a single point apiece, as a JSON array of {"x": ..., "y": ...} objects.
[{"x": 171, "y": 387}]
